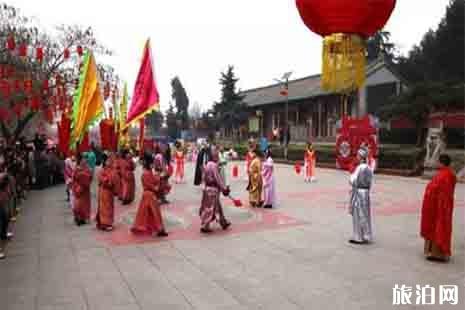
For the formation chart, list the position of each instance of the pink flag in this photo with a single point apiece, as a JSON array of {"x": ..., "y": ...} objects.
[{"x": 145, "y": 98}]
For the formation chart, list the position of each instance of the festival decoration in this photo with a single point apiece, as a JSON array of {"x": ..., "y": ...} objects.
[
  {"x": 297, "y": 167},
  {"x": 64, "y": 133},
  {"x": 344, "y": 26},
  {"x": 351, "y": 135},
  {"x": 79, "y": 50},
  {"x": 10, "y": 42},
  {"x": 88, "y": 101},
  {"x": 145, "y": 98},
  {"x": 22, "y": 50},
  {"x": 66, "y": 53},
  {"x": 39, "y": 54}
]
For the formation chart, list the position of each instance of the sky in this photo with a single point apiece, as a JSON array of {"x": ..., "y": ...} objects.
[{"x": 197, "y": 40}]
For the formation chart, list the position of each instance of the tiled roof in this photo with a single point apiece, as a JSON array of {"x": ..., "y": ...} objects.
[{"x": 307, "y": 87}]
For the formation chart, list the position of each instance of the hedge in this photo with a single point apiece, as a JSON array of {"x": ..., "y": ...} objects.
[{"x": 389, "y": 157}]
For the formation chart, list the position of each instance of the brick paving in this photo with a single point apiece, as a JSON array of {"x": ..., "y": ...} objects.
[{"x": 293, "y": 257}]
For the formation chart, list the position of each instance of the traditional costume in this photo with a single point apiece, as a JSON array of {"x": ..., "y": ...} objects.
[
  {"x": 269, "y": 189},
  {"x": 309, "y": 163},
  {"x": 148, "y": 218},
  {"x": 202, "y": 159},
  {"x": 360, "y": 205},
  {"x": 211, "y": 209},
  {"x": 128, "y": 180},
  {"x": 179, "y": 160},
  {"x": 436, "y": 214},
  {"x": 248, "y": 161},
  {"x": 116, "y": 164},
  {"x": 164, "y": 174},
  {"x": 255, "y": 185},
  {"x": 82, "y": 179},
  {"x": 105, "y": 207}
]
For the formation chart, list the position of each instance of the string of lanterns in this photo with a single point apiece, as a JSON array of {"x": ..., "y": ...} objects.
[{"x": 33, "y": 91}]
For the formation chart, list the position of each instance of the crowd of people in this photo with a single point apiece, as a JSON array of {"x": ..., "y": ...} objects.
[{"x": 116, "y": 180}]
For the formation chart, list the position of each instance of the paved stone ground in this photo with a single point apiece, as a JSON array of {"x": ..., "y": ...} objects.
[{"x": 293, "y": 257}]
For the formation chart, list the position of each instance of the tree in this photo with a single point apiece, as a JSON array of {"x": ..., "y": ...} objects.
[
  {"x": 61, "y": 71},
  {"x": 435, "y": 68},
  {"x": 181, "y": 101},
  {"x": 172, "y": 122},
  {"x": 154, "y": 121},
  {"x": 379, "y": 45},
  {"x": 230, "y": 111},
  {"x": 419, "y": 101}
]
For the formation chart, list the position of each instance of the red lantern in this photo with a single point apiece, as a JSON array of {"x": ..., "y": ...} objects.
[
  {"x": 28, "y": 86},
  {"x": 66, "y": 53},
  {"x": 235, "y": 171},
  {"x": 10, "y": 43},
  {"x": 22, "y": 50},
  {"x": 79, "y": 50},
  {"x": 39, "y": 54},
  {"x": 35, "y": 103},
  {"x": 45, "y": 85},
  {"x": 344, "y": 25}
]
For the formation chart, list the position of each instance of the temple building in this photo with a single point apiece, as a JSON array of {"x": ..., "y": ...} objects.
[{"x": 313, "y": 112}]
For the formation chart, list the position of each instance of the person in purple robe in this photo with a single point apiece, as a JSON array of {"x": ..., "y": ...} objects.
[
  {"x": 269, "y": 192},
  {"x": 211, "y": 209}
]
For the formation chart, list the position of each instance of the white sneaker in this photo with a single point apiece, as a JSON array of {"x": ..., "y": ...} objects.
[{"x": 2, "y": 255}]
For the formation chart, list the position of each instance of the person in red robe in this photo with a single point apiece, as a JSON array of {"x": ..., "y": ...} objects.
[
  {"x": 437, "y": 211},
  {"x": 128, "y": 178},
  {"x": 148, "y": 218},
  {"x": 105, "y": 208},
  {"x": 119, "y": 164},
  {"x": 117, "y": 174},
  {"x": 82, "y": 179},
  {"x": 164, "y": 173},
  {"x": 179, "y": 160}
]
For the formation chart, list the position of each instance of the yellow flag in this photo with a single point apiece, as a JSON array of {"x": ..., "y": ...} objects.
[{"x": 88, "y": 101}]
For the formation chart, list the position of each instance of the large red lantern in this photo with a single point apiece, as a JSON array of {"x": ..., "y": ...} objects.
[{"x": 345, "y": 26}]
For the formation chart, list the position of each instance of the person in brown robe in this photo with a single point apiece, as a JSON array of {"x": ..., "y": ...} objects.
[
  {"x": 148, "y": 218},
  {"x": 82, "y": 179},
  {"x": 255, "y": 185},
  {"x": 118, "y": 163},
  {"x": 105, "y": 208},
  {"x": 128, "y": 178}
]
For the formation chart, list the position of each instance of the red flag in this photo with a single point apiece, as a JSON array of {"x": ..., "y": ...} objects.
[{"x": 145, "y": 98}]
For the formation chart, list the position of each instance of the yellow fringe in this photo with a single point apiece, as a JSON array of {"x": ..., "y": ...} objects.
[{"x": 343, "y": 63}]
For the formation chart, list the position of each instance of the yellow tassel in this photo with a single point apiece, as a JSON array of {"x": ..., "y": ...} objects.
[{"x": 343, "y": 65}]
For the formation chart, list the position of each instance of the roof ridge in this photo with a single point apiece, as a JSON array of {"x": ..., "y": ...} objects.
[{"x": 277, "y": 84}]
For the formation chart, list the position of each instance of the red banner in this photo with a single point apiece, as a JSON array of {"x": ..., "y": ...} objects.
[
  {"x": 108, "y": 135},
  {"x": 350, "y": 136},
  {"x": 64, "y": 132}
]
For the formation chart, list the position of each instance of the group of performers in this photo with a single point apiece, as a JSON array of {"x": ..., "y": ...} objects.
[{"x": 116, "y": 178}]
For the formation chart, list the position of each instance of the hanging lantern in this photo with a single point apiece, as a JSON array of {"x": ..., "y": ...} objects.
[
  {"x": 22, "y": 50},
  {"x": 45, "y": 85},
  {"x": 5, "y": 88},
  {"x": 39, "y": 54},
  {"x": 344, "y": 26},
  {"x": 28, "y": 86},
  {"x": 66, "y": 53},
  {"x": 10, "y": 43},
  {"x": 79, "y": 50}
]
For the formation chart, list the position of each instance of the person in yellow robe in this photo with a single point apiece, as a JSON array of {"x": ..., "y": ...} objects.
[{"x": 255, "y": 185}]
